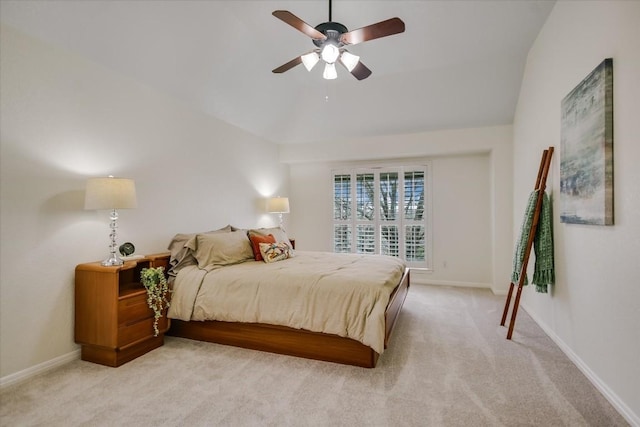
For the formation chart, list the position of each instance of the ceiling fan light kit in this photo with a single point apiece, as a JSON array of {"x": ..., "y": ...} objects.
[
  {"x": 330, "y": 38},
  {"x": 349, "y": 60},
  {"x": 309, "y": 60},
  {"x": 329, "y": 53},
  {"x": 330, "y": 71}
]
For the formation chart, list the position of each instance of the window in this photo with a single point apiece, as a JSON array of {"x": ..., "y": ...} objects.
[{"x": 382, "y": 211}]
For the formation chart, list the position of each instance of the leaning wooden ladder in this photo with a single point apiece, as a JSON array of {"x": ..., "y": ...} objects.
[{"x": 541, "y": 183}]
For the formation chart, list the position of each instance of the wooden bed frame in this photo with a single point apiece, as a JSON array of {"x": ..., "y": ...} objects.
[{"x": 294, "y": 342}]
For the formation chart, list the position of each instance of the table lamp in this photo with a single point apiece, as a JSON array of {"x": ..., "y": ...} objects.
[
  {"x": 111, "y": 193},
  {"x": 278, "y": 205}
]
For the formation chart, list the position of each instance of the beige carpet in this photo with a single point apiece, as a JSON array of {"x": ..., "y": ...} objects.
[{"x": 448, "y": 364}]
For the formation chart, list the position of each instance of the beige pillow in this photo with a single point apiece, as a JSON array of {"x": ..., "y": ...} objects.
[
  {"x": 223, "y": 248},
  {"x": 279, "y": 234},
  {"x": 182, "y": 246},
  {"x": 192, "y": 243}
]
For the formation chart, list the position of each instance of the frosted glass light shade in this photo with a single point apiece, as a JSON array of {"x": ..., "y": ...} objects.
[
  {"x": 110, "y": 193},
  {"x": 309, "y": 60},
  {"x": 330, "y": 72},
  {"x": 278, "y": 205},
  {"x": 330, "y": 53},
  {"x": 349, "y": 60}
]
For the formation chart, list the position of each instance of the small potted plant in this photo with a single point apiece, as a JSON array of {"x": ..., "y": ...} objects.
[{"x": 154, "y": 280}]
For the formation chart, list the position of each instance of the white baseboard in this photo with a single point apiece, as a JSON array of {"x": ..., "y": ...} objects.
[
  {"x": 28, "y": 373},
  {"x": 613, "y": 398},
  {"x": 426, "y": 281}
]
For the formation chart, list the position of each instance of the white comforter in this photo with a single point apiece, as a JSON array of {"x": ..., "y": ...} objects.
[{"x": 342, "y": 294}]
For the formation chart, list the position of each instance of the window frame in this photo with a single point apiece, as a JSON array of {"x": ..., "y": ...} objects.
[{"x": 377, "y": 169}]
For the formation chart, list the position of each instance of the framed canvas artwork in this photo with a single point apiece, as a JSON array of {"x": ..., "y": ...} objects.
[{"x": 586, "y": 150}]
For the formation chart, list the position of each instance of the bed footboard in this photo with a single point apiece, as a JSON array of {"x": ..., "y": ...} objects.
[
  {"x": 396, "y": 301},
  {"x": 278, "y": 339},
  {"x": 294, "y": 342}
]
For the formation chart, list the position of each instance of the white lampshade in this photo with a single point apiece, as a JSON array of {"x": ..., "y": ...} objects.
[
  {"x": 330, "y": 53},
  {"x": 278, "y": 205},
  {"x": 110, "y": 193},
  {"x": 309, "y": 60},
  {"x": 349, "y": 60},
  {"x": 330, "y": 72}
]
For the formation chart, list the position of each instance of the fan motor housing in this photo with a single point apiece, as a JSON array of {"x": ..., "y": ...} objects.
[{"x": 333, "y": 31}]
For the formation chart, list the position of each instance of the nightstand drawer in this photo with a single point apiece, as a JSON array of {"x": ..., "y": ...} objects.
[
  {"x": 133, "y": 308},
  {"x": 133, "y": 332}
]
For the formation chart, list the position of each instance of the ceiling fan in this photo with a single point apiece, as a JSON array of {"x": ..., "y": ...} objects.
[{"x": 331, "y": 39}]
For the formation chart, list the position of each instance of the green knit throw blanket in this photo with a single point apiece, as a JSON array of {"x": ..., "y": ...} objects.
[{"x": 544, "y": 273}]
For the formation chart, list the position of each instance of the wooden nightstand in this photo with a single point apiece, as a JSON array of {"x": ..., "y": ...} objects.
[{"x": 113, "y": 322}]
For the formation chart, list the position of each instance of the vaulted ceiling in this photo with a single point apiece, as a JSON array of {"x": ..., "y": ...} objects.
[{"x": 459, "y": 64}]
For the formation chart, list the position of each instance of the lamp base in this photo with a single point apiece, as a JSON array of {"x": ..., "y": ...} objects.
[{"x": 114, "y": 259}]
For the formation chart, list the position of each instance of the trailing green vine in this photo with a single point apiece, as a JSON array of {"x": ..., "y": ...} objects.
[{"x": 155, "y": 282}]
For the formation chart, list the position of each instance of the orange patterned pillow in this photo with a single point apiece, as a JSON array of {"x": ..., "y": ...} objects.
[{"x": 255, "y": 244}]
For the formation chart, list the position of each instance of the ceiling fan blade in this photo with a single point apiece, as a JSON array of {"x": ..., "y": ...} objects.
[
  {"x": 373, "y": 31},
  {"x": 298, "y": 24},
  {"x": 289, "y": 65},
  {"x": 361, "y": 71}
]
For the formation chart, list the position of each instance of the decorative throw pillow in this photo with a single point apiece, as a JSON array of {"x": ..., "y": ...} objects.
[
  {"x": 222, "y": 249},
  {"x": 256, "y": 239},
  {"x": 278, "y": 233},
  {"x": 272, "y": 252}
]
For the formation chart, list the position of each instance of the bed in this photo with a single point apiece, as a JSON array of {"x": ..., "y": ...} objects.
[{"x": 229, "y": 288}]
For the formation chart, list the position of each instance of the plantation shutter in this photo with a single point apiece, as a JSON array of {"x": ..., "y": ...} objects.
[{"x": 382, "y": 211}]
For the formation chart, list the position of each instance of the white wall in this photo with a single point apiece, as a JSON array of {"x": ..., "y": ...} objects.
[
  {"x": 593, "y": 311},
  {"x": 65, "y": 119},
  {"x": 471, "y": 172}
]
